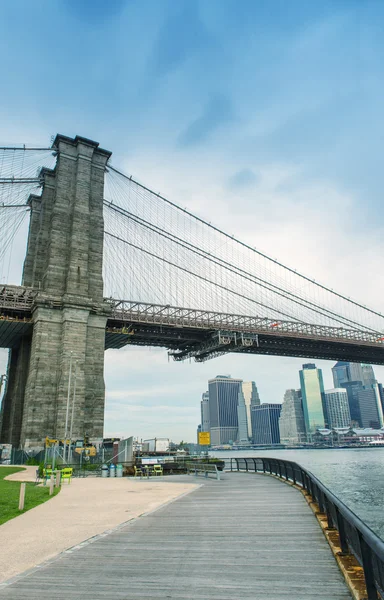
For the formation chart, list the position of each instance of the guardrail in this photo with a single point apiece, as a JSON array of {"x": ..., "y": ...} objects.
[
  {"x": 202, "y": 469},
  {"x": 355, "y": 537}
]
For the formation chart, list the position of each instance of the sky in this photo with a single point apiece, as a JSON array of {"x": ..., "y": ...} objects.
[{"x": 262, "y": 116}]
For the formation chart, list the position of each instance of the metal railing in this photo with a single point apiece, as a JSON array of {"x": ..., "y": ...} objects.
[{"x": 355, "y": 537}]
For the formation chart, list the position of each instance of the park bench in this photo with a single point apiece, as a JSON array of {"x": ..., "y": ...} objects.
[{"x": 204, "y": 469}]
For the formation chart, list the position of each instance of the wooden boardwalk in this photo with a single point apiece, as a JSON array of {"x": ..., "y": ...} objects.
[{"x": 244, "y": 537}]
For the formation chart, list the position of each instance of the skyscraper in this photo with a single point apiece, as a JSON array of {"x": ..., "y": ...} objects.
[
  {"x": 369, "y": 378},
  {"x": 341, "y": 373},
  {"x": 223, "y": 401},
  {"x": 352, "y": 388},
  {"x": 347, "y": 371},
  {"x": 291, "y": 422},
  {"x": 205, "y": 412},
  {"x": 252, "y": 398},
  {"x": 356, "y": 372},
  {"x": 381, "y": 394},
  {"x": 370, "y": 407},
  {"x": 242, "y": 435},
  {"x": 265, "y": 424},
  {"x": 337, "y": 408},
  {"x": 312, "y": 390}
]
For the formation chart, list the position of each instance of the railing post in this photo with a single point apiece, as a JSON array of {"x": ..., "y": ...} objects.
[
  {"x": 294, "y": 475},
  {"x": 263, "y": 465},
  {"x": 328, "y": 512},
  {"x": 279, "y": 465},
  {"x": 246, "y": 464},
  {"x": 366, "y": 558},
  {"x": 237, "y": 464},
  {"x": 341, "y": 530},
  {"x": 270, "y": 467},
  {"x": 286, "y": 471},
  {"x": 254, "y": 463}
]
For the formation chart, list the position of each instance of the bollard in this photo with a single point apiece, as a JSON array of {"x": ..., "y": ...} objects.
[
  {"x": 58, "y": 479},
  {"x": 22, "y": 496},
  {"x": 51, "y": 485}
]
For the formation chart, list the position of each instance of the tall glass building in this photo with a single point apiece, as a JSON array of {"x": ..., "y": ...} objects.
[
  {"x": 340, "y": 373},
  {"x": 265, "y": 424},
  {"x": 242, "y": 435},
  {"x": 291, "y": 423},
  {"x": 312, "y": 390},
  {"x": 352, "y": 388},
  {"x": 252, "y": 398},
  {"x": 223, "y": 401},
  {"x": 370, "y": 407},
  {"x": 337, "y": 408},
  {"x": 369, "y": 378},
  {"x": 205, "y": 412}
]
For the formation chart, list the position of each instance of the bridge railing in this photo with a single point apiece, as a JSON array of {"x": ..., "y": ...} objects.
[
  {"x": 126, "y": 311},
  {"x": 354, "y": 536}
]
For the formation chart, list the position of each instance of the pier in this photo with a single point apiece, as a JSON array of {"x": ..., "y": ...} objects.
[{"x": 244, "y": 537}]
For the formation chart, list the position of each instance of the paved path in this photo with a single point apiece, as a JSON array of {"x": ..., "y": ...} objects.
[
  {"x": 244, "y": 537},
  {"x": 85, "y": 508},
  {"x": 28, "y": 473}
]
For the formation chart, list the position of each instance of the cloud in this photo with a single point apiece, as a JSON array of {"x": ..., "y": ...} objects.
[
  {"x": 97, "y": 13},
  {"x": 242, "y": 179},
  {"x": 216, "y": 113},
  {"x": 182, "y": 35}
]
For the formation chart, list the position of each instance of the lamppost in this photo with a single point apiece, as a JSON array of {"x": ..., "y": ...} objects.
[
  {"x": 2, "y": 380},
  {"x": 67, "y": 412},
  {"x": 73, "y": 409}
]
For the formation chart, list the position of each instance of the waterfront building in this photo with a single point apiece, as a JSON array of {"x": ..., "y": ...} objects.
[
  {"x": 205, "y": 412},
  {"x": 291, "y": 422},
  {"x": 265, "y": 424},
  {"x": 337, "y": 408},
  {"x": 370, "y": 407},
  {"x": 347, "y": 436},
  {"x": 252, "y": 398},
  {"x": 312, "y": 390},
  {"x": 242, "y": 436},
  {"x": 223, "y": 396}
]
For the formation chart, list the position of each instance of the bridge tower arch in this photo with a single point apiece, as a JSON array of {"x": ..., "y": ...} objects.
[{"x": 64, "y": 264}]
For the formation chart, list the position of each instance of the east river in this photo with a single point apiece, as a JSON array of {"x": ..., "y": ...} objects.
[{"x": 354, "y": 475}]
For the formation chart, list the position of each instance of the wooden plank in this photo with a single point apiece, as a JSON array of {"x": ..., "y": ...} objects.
[{"x": 244, "y": 537}]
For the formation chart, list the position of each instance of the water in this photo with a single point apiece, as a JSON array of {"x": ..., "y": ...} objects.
[{"x": 354, "y": 475}]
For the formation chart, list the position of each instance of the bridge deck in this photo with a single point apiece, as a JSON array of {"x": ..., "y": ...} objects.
[{"x": 244, "y": 537}]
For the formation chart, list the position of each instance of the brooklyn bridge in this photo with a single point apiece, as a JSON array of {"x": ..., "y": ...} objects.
[{"x": 110, "y": 263}]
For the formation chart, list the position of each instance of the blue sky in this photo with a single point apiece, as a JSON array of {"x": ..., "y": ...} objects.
[{"x": 264, "y": 116}]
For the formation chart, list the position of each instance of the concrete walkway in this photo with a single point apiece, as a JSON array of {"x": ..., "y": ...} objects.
[
  {"x": 244, "y": 537},
  {"x": 28, "y": 473},
  {"x": 85, "y": 508}
]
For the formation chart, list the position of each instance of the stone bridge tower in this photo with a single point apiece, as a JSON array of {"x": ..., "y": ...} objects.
[{"x": 64, "y": 264}]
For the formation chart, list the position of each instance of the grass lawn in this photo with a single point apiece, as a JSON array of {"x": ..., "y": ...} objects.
[{"x": 9, "y": 495}]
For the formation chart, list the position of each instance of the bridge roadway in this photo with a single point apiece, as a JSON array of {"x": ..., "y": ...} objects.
[
  {"x": 246, "y": 537},
  {"x": 199, "y": 334}
]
